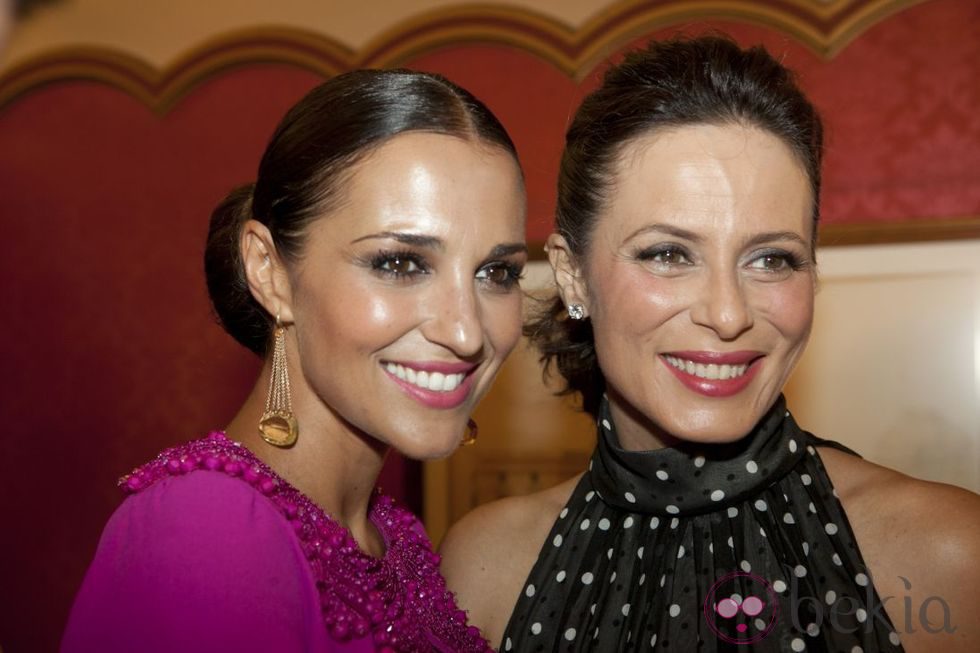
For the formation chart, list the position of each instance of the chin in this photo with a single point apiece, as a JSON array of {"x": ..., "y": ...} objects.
[
  {"x": 714, "y": 436},
  {"x": 430, "y": 447},
  {"x": 715, "y": 430}
]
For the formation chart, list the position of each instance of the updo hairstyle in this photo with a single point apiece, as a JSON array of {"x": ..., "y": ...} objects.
[
  {"x": 307, "y": 163},
  {"x": 669, "y": 84}
]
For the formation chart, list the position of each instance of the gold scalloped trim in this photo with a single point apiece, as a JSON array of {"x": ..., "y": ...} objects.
[{"x": 824, "y": 27}]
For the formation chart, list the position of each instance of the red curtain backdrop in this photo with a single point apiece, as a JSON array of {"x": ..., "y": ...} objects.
[{"x": 108, "y": 347}]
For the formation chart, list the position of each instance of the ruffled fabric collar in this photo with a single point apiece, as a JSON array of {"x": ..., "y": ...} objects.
[{"x": 693, "y": 480}]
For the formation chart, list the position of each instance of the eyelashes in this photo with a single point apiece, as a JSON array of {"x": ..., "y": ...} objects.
[
  {"x": 672, "y": 257},
  {"x": 665, "y": 254},
  {"x": 502, "y": 274},
  {"x": 398, "y": 264},
  {"x": 406, "y": 265},
  {"x": 778, "y": 260}
]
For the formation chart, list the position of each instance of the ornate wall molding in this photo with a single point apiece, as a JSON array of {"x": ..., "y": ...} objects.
[
  {"x": 875, "y": 233},
  {"x": 824, "y": 27}
]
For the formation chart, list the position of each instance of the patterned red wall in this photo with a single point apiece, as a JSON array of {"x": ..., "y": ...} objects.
[{"x": 108, "y": 350}]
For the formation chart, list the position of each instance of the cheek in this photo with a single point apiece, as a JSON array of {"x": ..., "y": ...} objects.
[
  {"x": 354, "y": 317},
  {"x": 634, "y": 302},
  {"x": 500, "y": 319},
  {"x": 790, "y": 310}
]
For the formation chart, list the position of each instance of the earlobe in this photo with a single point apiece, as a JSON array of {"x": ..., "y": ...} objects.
[
  {"x": 264, "y": 271},
  {"x": 568, "y": 273}
]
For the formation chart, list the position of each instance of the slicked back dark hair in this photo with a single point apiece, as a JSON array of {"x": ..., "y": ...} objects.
[{"x": 303, "y": 172}]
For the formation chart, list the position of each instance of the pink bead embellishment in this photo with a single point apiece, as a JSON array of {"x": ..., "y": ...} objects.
[{"x": 400, "y": 600}]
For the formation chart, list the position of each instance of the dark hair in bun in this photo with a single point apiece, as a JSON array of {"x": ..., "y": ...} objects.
[
  {"x": 668, "y": 84},
  {"x": 302, "y": 173}
]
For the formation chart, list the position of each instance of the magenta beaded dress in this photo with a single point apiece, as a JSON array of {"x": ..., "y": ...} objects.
[{"x": 212, "y": 551}]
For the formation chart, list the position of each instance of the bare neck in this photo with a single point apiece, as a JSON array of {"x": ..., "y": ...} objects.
[{"x": 331, "y": 463}]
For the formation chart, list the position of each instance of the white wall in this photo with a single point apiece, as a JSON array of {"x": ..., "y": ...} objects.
[{"x": 893, "y": 366}]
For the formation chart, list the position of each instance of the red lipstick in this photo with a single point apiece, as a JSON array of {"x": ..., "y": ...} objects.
[{"x": 714, "y": 387}]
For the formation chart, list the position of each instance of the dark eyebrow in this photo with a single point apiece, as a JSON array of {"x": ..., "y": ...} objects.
[
  {"x": 757, "y": 239},
  {"x": 771, "y": 236},
  {"x": 670, "y": 230},
  {"x": 431, "y": 242},
  {"x": 417, "y": 240},
  {"x": 506, "y": 249}
]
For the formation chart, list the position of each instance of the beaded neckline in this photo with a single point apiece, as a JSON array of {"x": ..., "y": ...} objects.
[{"x": 400, "y": 599}]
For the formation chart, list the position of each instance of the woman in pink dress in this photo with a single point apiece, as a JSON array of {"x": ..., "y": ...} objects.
[{"x": 374, "y": 265}]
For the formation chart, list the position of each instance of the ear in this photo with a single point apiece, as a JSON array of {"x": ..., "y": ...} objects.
[
  {"x": 265, "y": 272},
  {"x": 569, "y": 273}
]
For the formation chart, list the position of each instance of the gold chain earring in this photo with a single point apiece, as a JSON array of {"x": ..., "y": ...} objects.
[
  {"x": 471, "y": 432},
  {"x": 278, "y": 425}
]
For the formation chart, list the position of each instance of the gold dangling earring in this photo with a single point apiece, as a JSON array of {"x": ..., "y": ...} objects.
[
  {"x": 278, "y": 425},
  {"x": 471, "y": 433}
]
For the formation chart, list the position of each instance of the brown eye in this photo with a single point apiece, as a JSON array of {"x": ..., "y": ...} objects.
[
  {"x": 499, "y": 274},
  {"x": 400, "y": 265},
  {"x": 666, "y": 256},
  {"x": 671, "y": 257},
  {"x": 775, "y": 261}
]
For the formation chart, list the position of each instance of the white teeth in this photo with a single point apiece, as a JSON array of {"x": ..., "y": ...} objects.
[
  {"x": 708, "y": 371},
  {"x": 435, "y": 381},
  {"x": 452, "y": 382}
]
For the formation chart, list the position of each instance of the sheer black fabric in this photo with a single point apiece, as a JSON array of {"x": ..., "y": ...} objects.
[{"x": 722, "y": 548}]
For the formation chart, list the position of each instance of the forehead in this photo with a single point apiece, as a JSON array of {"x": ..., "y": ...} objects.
[
  {"x": 716, "y": 180},
  {"x": 432, "y": 184}
]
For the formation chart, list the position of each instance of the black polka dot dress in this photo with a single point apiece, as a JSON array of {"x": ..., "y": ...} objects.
[{"x": 724, "y": 548}]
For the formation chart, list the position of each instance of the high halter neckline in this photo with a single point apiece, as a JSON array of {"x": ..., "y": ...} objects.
[{"x": 694, "y": 479}]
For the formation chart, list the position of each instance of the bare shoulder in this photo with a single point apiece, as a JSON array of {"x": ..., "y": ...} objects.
[
  {"x": 889, "y": 504},
  {"x": 921, "y": 541},
  {"x": 488, "y": 554}
]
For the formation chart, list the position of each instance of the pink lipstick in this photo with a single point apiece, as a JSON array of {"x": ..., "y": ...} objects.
[{"x": 435, "y": 384}]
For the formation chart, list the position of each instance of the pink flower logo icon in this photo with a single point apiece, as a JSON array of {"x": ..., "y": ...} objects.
[{"x": 741, "y": 608}]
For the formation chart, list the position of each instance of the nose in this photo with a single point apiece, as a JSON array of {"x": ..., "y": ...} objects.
[
  {"x": 455, "y": 320},
  {"x": 722, "y": 306}
]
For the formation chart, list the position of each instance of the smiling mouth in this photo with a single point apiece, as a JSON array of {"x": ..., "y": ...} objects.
[
  {"x": 431, "y": 381},
  {"x": 707, "y": 371}
]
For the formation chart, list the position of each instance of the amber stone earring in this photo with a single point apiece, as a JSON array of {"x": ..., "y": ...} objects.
[
  {"x": 471, "y": 432},
  {"x": 278, "y": 425}
]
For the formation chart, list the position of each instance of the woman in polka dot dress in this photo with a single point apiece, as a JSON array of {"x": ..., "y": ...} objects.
[{"x": 707, "y": 519}]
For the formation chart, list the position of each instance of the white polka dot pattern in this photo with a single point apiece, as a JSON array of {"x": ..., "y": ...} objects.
[{"x": 767, "y": 514}]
